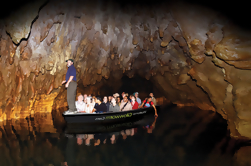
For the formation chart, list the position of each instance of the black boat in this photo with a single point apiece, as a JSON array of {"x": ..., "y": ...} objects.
[
  {"x": 109, "y": 117},
  {"x": 80, "y": 128}
]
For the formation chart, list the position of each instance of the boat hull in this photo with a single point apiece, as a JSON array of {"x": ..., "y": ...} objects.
[
  {"x": 80, "y": 128},
  {"x": 106, "y": 118}
]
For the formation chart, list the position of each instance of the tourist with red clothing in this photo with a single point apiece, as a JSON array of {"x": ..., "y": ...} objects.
[
  {"x": 135, "y": 104},
  {"x": 148, "y": 103}
]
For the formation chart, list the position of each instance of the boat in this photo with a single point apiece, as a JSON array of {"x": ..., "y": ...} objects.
[{"x": 109, "y": 117}]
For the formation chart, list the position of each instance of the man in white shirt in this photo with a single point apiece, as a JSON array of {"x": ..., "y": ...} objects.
[
  {"x": 125, "y": 104},
  {"x": 137, "y": 98},
  {"x": 80, "y": 105}
]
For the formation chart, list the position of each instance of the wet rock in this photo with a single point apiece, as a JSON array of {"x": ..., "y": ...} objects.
[
  {"x": 18, "y": 25},
  {"x": 197, "y": 51},
  {"x": 242, "y": 156},
  {"x": 183, "y": 78}
]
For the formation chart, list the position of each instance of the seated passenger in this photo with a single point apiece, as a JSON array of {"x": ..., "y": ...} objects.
[
  {"x": 130, "y": 98},
  {"x": 153, "y": 99},
  {"x": 100, "y": 107},
  {"x": 115, "y": 95},
  {"x": 125, "y": 105},
  {"x": 80, "y": 105},
  {"x": 106, "y": 103},
  {"x": 134, "y": 103},
  {"x": 148, "y": 103},
  {"x": 89, "y": 107},
  {"x": 85, "y": 97},
  {"x": 94, "y": 100},
  {"x": 136, "y": 94},
  {"x": 110, "y": 99},
  {"x": 118, "y": 101},
  {"x": 114, "y": 106}
]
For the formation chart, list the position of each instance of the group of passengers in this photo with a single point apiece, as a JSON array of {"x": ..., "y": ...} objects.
[{"x": 92, "y": 104}]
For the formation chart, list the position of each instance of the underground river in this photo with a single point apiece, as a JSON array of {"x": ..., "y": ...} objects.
[{"x": 180, "y": 136}]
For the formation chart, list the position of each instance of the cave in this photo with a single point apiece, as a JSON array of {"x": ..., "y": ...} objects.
[{"x": 189, "y": 53}]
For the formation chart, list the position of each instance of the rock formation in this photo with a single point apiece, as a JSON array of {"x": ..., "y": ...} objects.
[{"x": 192, "y": 54}]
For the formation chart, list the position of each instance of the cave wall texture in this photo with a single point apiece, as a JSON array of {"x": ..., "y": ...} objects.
[{"x": 193, "y": 54}]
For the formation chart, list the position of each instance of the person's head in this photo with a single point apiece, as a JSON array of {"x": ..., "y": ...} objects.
[
  {"x": 105, "y": 99},
  {"x": 118, "y": 100},
  {"x": 149, "y": 98},
  {"x": 98, "y": 100},
  {"x": 133, "y": 98},
  {"x": 116, "y": 95},
  {"x": 85, "y": 96},
  {"x": 69, "y": 62},
  {"x": 151, "y": 94},
  {"x": 110, "y": 98},
  {"x": 93, "y": 99},
  {"x": 90, "y": 95},
  {"x": 80, "y": 98},
  {"x": 88, "y": 100},
  {"x": 130, "y": 96},
  {"x": 113, "y": 101},
  {"x": 125, "y": 98},
  {"x": 136, "y": 94}
]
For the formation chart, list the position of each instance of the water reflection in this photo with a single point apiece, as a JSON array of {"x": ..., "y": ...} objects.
[
  {"x": 122, "y": 129},
  {"x": 178, "y": 137}
]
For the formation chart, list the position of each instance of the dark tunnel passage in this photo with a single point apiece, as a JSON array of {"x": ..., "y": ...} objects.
[{"x": 125, "y": 84}]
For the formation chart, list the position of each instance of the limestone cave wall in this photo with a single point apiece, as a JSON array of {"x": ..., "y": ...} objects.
[{"x": 192, "y": 54}]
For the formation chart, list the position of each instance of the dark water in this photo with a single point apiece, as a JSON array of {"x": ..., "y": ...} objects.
[{"x": 179, "y": 137}]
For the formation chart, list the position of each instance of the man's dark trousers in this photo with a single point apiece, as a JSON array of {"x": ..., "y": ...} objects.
[{"x": 71, "y": 96}]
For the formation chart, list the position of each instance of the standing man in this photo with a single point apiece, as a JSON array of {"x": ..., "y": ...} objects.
[{"x": 71, "y": 85}]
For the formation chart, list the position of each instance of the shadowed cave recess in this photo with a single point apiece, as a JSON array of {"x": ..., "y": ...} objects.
[{"x": 188, "y": 53}]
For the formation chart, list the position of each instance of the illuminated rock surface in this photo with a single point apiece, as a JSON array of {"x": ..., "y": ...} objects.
[{"x": 192, "y": 54}]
